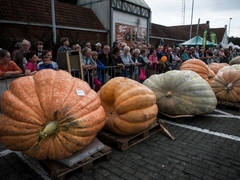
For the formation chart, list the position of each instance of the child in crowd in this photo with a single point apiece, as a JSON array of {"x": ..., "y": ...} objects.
[
  {"x": 46, "y": 63},
  {"x": 31, "y": 66},
  {"x": 97, "y": 77}
]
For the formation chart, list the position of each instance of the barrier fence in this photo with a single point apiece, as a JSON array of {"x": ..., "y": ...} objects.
[{"x": 92, "y": 77}]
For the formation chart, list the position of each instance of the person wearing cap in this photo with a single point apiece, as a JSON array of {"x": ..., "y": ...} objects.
[{"x": 98, "y": 48}]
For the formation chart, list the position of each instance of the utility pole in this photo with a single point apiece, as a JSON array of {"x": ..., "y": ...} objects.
[
  {"x": 190, "y": 36},
  {"x": 183, "y": 12},
  {"x": 229, "y": 27}
]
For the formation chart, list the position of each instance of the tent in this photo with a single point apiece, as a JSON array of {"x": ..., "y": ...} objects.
[{"x": 196, "y": 41}]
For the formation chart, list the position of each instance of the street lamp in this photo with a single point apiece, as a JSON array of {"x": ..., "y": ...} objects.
[{"x": 229, "y": 27}]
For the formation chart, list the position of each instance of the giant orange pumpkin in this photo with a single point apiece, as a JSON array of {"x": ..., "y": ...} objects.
[
  {"x": 50, "y": 115},
  {"x": 199, "y": 67},
  {"x": 226, "y": 84},
  {"x": 130, "y": 106},
  {"x": 215, "y": 67}
]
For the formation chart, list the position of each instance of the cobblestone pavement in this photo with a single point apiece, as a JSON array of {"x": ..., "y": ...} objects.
[{"x": 206, "y": 148}]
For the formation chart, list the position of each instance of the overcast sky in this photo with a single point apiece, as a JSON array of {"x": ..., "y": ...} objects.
[{"x": 218, "y": 12}]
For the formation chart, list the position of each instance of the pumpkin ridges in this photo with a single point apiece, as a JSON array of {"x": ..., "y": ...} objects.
[
  {"x": 11, "y": 101},
  {"x": 52, "y": 94},
  {"x": 41, "y": 83},
  {"x": 126, "y": 106},
  {"x": 18, "y": 143},
  {"x": 187, "y": 90},
  {"x": 120, "y": 96},
  {"x": 84, "y": 126},
  {"x": 221, "y": 81},
  {"x": 215, "y": 67},
  {"x": 77, "y": 142},
  {"x": 13, "y": 127},
  {"x": 199, "y": 67},
  {"x": 82, "y": 110},
  {"x": 26, "y": 87}
]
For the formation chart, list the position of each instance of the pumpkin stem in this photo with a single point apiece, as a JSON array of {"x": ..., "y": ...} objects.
[
  {"x": 229, "y": 86},
  {"x": 49, "y": 129},
  {"x": 169, "y": 94}
]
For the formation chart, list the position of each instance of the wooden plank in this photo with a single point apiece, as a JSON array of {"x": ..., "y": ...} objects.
[
  {"x": 57, "y": 170},
  {"x": 125, "y": 142},
  {"x": 225, "y": 104}
]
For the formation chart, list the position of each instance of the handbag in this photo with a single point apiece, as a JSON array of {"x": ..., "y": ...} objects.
[{"x": 142, "y": 74}]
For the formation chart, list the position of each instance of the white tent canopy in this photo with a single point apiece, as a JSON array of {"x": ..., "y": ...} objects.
[{"x": 230, "y": 44}]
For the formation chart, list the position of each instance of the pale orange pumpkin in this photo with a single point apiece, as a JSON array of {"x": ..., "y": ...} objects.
[
  {"x": 50, "y": 115},
  {"x": 215, "y": 67},
  {"x": 226, "y": 85},
  {"x": 130, "y": 106},
  {"x": 199, "y": 67}
]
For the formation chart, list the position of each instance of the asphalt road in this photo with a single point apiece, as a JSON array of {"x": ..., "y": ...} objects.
[{"x": 205, "y": 147}]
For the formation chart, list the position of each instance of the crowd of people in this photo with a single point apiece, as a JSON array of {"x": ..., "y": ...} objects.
[{"x": 118, "y": 60}]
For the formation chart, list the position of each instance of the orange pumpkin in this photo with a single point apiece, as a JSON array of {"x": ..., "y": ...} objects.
[
  {"x": 226, "y": 85},
  {"x": 50, "y": 115},
  {"x": 215, "y": 67},
  {"x": 130, "y": 106},
  {"x": 199, "y": 67}
]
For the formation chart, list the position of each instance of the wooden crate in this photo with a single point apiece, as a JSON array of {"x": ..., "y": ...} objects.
[
  {"x": 225, "y": 104},
  {"x": 125, "y": 142},
  {"x": 57, "y": 170}
]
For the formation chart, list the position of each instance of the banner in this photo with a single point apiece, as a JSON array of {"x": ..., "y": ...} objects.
[
  {"x": 213, "y": 37},
  {"x": 204, "y": 38}
]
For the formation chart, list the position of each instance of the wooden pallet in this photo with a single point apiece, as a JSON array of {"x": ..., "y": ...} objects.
[
  {"x": 125, "y": 142},
  {"x": 225, "y": 104},
  {"x": 57, "y": 170}
]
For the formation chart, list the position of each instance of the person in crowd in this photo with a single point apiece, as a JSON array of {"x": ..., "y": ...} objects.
[
  {"x": 139, "y": 62},
  {"x": 48, "y": 53},
  {"x": 117, "y": 61},
  {"x": 76, "y": 47},
  {"x": 196, "y": 52},
  {"x": 143, "y": 55},
  {"x": 149, "y": 47},
  {"x": 159, "y": 52},
  {"x": 154, "y": 60},
  {"x": 127, "y": 61},
  {"x": 191, "y": 53},
  {"x": 46, "y": 63},
  {"x": 106, "y": 58},
  {"x": 20, "y": 56},
  {"x": 98, "y": 48},
  {"x": 17, "y": 48},
  {"x": 176, "y": 61},
  {"x": 97, "y": 76},
  {"x": 39, "y": 50},
  {"x": 209, "y": 55},
  {"x": 202, "y": 55},
  {"x": 184, "y": 55},
  {"x": 8, "y": 68},
  {"x": 31, "y": 66},
  {"x": 64, "y": 46},
  {"x": 88, "y": 65},
  {"x": 88, "y": 45},
  {"x": 115, "y": 44}
]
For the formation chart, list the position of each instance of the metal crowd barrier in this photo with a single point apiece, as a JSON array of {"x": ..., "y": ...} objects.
[{"x": 5, "y": 82}]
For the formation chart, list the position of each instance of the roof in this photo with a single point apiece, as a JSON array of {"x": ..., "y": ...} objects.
[
  {"x": 168, "y": 32},
  {"x": 181, "y": 32},
  {"x": 40, "y": 12},
  {"x": 141, "y": 3}
]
